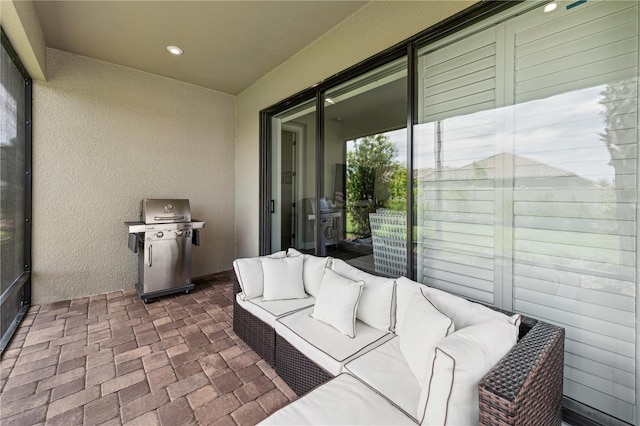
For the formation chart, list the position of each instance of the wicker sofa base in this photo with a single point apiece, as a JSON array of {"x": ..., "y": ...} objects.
[
  {"x": 525, "y": 388},
  {"x": 254, "y": 332},
  {"x": 298, "y": 371}
]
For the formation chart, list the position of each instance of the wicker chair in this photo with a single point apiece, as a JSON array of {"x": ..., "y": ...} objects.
[{"x": 389, "y": 241}]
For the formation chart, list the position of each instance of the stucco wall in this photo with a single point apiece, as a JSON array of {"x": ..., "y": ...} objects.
[
  {"x": 104, "y": 137},
  {"x": 374, "y": 28}
]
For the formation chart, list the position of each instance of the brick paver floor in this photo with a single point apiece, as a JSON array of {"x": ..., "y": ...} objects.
[{"x": 112, "y": 360}]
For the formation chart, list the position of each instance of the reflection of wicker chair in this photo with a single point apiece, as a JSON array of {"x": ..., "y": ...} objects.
[{"x": 389, "y": 238}]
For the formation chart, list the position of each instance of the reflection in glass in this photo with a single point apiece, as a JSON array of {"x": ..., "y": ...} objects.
[
  {"x": 526, "y": 182},
  {"x": 293, "y": 178},
  {"x": 365, "y": 172}
]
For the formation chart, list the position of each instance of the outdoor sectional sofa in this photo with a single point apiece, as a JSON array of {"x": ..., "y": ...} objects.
[{"x": 363, "y": 349}]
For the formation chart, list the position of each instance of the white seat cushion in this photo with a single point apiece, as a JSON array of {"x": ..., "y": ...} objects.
[
  {"x": 323, "y": 344},
  {"x": 376, "y": 306},
  {"x": 342, "y": 401},
  {"x": 269, "y": 311},
  {"x": 386, "y": 371}
]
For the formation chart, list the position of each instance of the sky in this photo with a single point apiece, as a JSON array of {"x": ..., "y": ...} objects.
[{"x": 563, "y": 131}]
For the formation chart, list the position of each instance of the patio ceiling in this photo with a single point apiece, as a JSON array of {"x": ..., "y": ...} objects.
[{"x": 228, "y": 45}]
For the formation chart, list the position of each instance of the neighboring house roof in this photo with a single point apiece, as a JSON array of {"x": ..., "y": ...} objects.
[{"x": 486, "y": 169}]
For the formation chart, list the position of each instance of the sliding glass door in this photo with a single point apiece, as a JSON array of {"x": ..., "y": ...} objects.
[
  {"x": 339, "y": 188},
  {"x": 364, "y": 198},
  {"x": 517, "y": 184},
  {"x": 526, "y": 191},
  {"x": 293, "y": 179}
]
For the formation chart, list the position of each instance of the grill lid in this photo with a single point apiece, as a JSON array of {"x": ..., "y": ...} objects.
[{"x": 157, "y": 210}]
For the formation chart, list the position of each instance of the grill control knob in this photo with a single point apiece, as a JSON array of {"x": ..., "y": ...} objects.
[
  {"x": 159, "y": 234},
  {"x": 179, "y": 233}
]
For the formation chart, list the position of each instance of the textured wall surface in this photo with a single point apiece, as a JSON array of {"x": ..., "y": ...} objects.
[
  {"x": 105, "y": 137},
  {"x": 372, "y": 29}
]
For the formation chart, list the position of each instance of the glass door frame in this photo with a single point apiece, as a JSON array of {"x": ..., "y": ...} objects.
[
  {"x": 408, "y": 48},
  {"x": 480, "y": 12},
  {"x": 317, "y": 93}
]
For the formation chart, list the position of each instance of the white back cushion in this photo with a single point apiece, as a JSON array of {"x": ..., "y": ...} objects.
[
  {"x": 463, "y": 312},
  {"x": 249, "y": 273},
  {"x": 406, "y": 290},
  {"x": 461, "y": 360},
  {"x": 424, "y": 327},
  {"x": 377, "y": 302},
  {"x": 337, "y": 302},
  {"x": 312, "y": 270},
  {"x": 283, "y": 278}
]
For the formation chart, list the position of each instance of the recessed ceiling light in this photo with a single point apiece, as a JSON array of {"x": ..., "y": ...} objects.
[
  {"x": 550, "y": 7},
  {"x": 175, "y": 50}
]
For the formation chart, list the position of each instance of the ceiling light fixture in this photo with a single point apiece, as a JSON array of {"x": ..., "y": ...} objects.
[
  {"x": 550, "y": 7},
  {"x": 175, "y": 50}
]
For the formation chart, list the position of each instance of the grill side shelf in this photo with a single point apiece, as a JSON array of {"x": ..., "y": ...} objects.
[{"x": 135, "y": 227}]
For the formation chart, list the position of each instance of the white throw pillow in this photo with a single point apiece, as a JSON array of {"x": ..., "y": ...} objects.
[
  {"x": 337, "y": 302},
  {"x": 450, "y": 393},
  {"x": 249, "y": 273},
  {"x": 376, "y": 307},
  {"x": 312, "y": 270},
  {"x": 424, "y": 327},
  {"x": 463, "y": 312},
  {"x": 283, "y": 278}
]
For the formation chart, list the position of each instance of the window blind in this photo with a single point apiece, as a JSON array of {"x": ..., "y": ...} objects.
[
  {"x": 526, "y": 173},
  {"x": 575, "y": 192},
  {"x": 456, "y": 167}
]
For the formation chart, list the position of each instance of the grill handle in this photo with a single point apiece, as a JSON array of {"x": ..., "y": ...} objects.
[
  {"x": 168, "y": 218},
  {"x": 150, "y": 255}
]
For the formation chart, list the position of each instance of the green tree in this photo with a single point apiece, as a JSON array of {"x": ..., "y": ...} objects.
[
  {"x": 398, "y": 188},
  {"x": 373, "y": 179}
]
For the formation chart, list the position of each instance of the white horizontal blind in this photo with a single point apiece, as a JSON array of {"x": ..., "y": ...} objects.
[
  {"x": 460, "y": 78},
  {"x": 575, "y": 192},
  {"x": 456, "y": 168},
  {"x": 526, "y": 172}
]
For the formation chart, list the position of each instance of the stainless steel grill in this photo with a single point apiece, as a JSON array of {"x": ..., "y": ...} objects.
[{"x": 163, "y": 238}]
